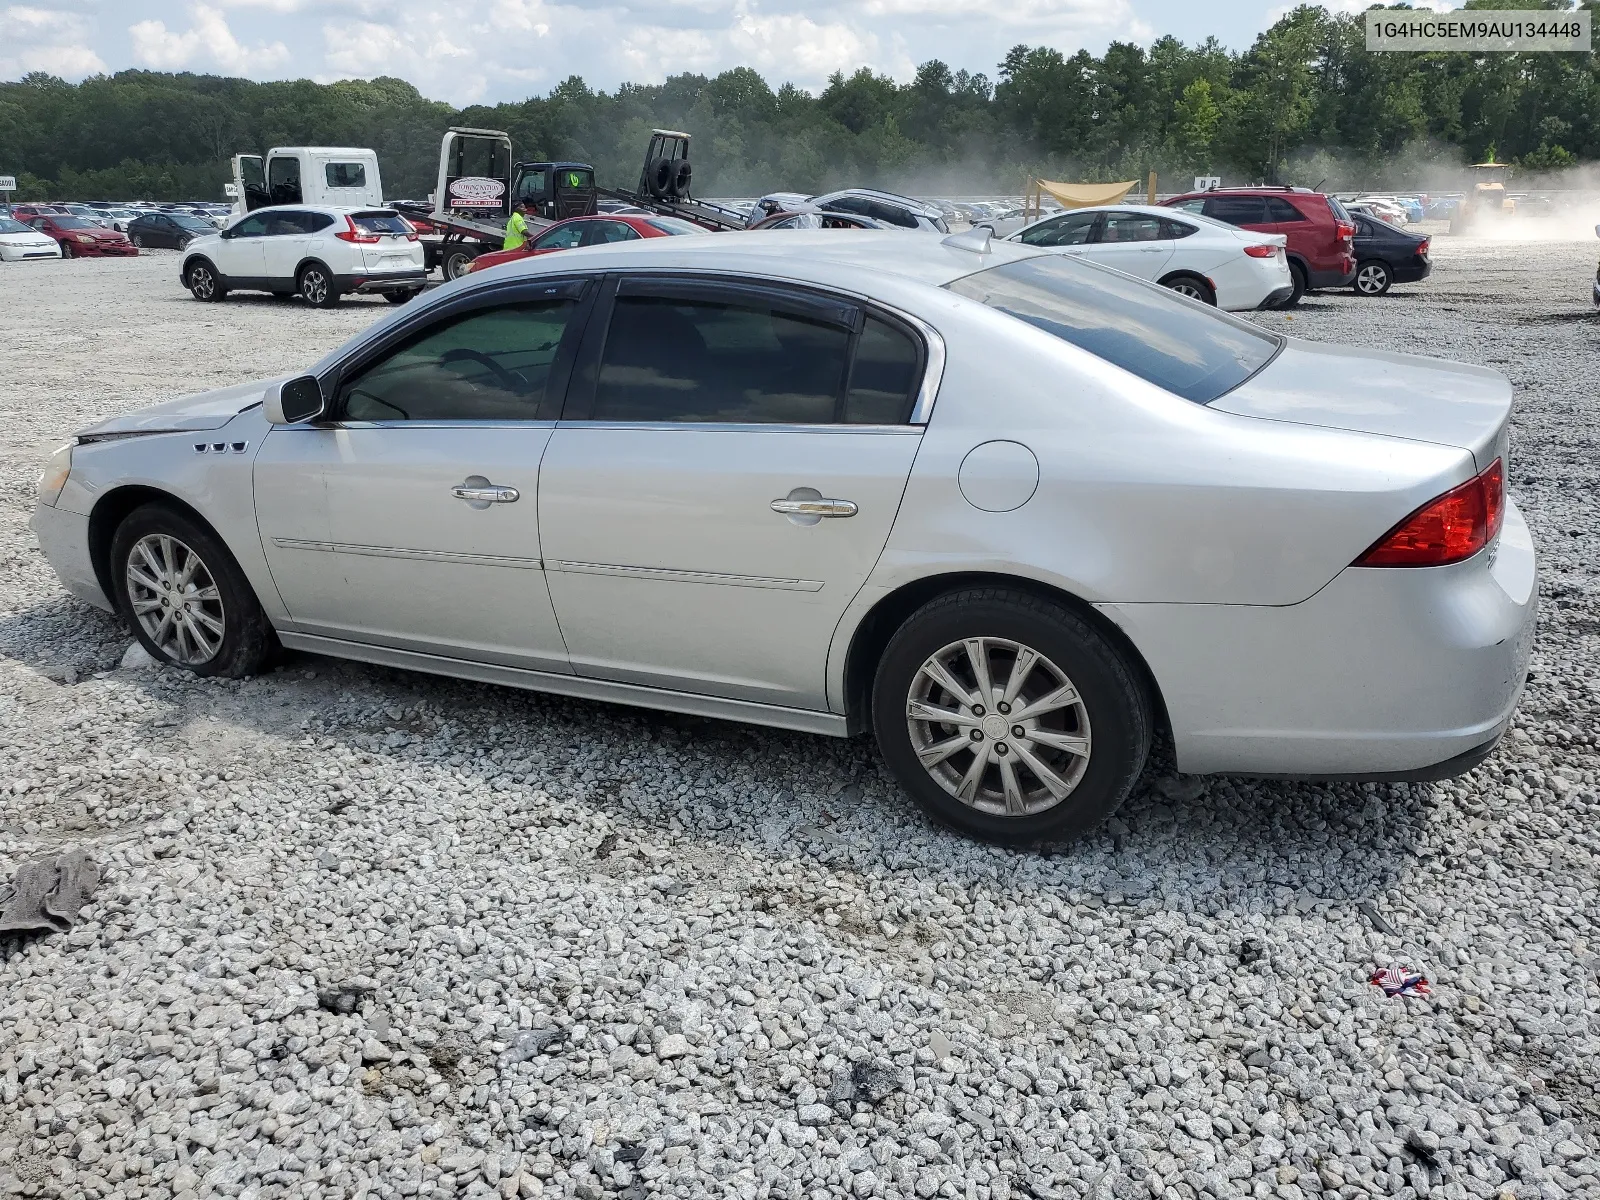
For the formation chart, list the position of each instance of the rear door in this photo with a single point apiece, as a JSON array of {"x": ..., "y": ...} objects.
[
  {"x": 287, "y": 241},
  {"x": 722, "y": 483},
  {"x": 1138, "y": 243}
]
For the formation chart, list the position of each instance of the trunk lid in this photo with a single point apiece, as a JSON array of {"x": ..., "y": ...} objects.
[
  {"x": 207, "y": 410},
  {"x": 1372, "y": 391}
]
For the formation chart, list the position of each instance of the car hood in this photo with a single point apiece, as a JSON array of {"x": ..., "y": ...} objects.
[
  {"x": 1370, "y": 391},
  {"x": 30, "y": 238},
  {"x": 208, "y": 410}
]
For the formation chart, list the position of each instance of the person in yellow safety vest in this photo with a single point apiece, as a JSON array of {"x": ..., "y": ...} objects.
[{"x": 517, "y": 227}]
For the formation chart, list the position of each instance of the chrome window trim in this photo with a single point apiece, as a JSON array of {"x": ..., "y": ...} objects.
[
  {"x": 460, "y": 423},
  {"x": 749, "y": 427}
]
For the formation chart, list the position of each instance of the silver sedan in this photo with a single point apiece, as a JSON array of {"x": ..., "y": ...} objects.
[{"x": 1013, "y": 513}]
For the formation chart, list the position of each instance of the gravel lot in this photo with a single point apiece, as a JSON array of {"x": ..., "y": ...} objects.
[{"x": 365, "y": 933}]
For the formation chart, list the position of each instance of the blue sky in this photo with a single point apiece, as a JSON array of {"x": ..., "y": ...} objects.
[{"x": 467, "y": 51}]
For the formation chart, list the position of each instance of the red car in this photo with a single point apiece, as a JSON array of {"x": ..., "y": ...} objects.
[
  {"x": 81, "y": 239},
  {"x": 590, "y": 231},
  {"x": 1321, "y": 233}
]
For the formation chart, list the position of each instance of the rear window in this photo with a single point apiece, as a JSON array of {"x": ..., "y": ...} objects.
[
  {"x": 380, "y": 222},
  {"x": 673, "y": 225},
  {"x": 568, "y": 178},
  {"x": 1237, "y": 210},
  {"x": 1192, "y": 351},
  {"x": 342, "y": 175},
  {"x": 1338, "y": 210}
]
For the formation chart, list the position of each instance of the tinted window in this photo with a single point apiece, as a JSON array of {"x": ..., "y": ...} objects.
[
  {"x": 1190, "y": 206},
  {"x": 883, "y": 377},
  {"x": 1177, "y": 229},
  {"x": 9, "y": 226},
  {"x": 192, "y": 224},
  {"x": 345, "y": 174},
  {"x": 1337, "y": 209},
  {"x": 286, "y": 224},
  {"x": 73, "y": 223},
  {"x": 891, "y": 214},
  {"x": 671, "y": 359},
  {"x": 850, "y": 204},
  {"x": 1238, "y": 210},
  {"x": 673, "y": 225},
  {"x": 1130, "y": 227},
  {"x": 283, "y": 180},
  {"x": 601, "y": 232},
  {"x": 381, "y": 222},
  {"x": 562, "y": 237},
  {"x": 1194, "y": 352},
  {"x": 531, "y": 186},
  {"x": 1070, "y": 230},
  {"x": 253, "y": 226},
  {"x": 490, "y": 365},
  {"x": 1279, "y": 209}
]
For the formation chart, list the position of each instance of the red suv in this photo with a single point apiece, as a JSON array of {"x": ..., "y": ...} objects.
[{"x": 1321, "y": 233}]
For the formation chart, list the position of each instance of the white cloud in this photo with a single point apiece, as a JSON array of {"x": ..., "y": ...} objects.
[
  {"x": 39, "y": 39},
  {"x": 208, "y": 42}
]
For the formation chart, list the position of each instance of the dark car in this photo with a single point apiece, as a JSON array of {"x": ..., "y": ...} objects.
[
  {"x": 1317, "y": 226},
  {"x": 170, "y": 230},
  {"x": 82, "y": 239},
  {"x": 1386, "y": 254}
]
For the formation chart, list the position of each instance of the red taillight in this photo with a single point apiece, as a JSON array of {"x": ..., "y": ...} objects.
[
  {"x": 1453, "y": 527},
  {"x": 1422, "y": 247},
  {"x": 1345, "y": 228},
  {"x": 1260, "y": 251},
  {"x": 351, "y": 234},
  {"x": 411, "y": 230}
]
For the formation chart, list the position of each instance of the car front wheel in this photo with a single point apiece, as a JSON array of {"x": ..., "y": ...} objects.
[
  {"x": 204, "y": 284},
  {"x": 1010, "y": 717},
  {"x": 185, "y": 597},
  {"x": 1373, "y": 278},
  {"x": 138, "y": 240}
]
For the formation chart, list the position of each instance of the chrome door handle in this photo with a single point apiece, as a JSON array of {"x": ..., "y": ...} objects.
[
  {"x": 480, "y": 493},
  {"x": 815, "y": 508}
]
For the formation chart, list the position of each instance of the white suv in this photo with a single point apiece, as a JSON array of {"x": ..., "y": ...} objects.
[{"x": 314, "y": 252}]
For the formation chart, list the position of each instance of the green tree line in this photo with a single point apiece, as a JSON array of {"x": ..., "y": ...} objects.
[{"x": 1306, "y": 103}]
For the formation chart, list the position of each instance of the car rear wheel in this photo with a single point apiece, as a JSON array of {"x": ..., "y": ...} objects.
[
  {"x": 1193, "y": 287},
  {"x": 456, "y": 262},
  {"x": 1010, "y": 717},
  {"x": 185, "y": 597},
  {"x": 204, "y": 284},
  {"x": 1297, "y": 276},
  {"x": 1373, "y": 278},
  {"x": 316, "y": 286}
]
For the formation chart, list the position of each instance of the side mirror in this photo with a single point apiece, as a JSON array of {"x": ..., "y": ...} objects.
[{"x": 295, "y": 401}]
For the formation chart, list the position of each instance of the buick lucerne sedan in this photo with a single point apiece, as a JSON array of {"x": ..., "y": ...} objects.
[{"x": 1014, "y": 513}]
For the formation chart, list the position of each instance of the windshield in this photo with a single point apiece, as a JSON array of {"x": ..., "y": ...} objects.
[
  {"x": 183, "y": 221},
  {"x": 1190, "y": 350},
  {"x": 7, "y": 225},
  {"x": 73, "y": 223},
  {"x": 673, "y": 225}
]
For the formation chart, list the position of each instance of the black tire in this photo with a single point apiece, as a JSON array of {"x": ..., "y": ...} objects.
[
  {"x": 402, "y": 297},
  {"x": 1297, "y": 274},
  {"x": 658, "y": 177},
  {"x": 682, "y": 178},
  {"x": 1373, "y": 277},
  {"x": 247, "y": 638},
  {"x": 204, "y": 285},
  {"x": 456, "y": 262},
  {"x": 1111, "y": 708},
  {"x": 138, "y": 240},
  {"x": 315, "y": 285},
  {"x": 67, "y": 251},
  {"x": 1191, "y": 286}
]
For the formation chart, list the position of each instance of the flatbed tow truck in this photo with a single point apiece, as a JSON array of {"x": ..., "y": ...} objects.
[{"x": 479, "y": 184}]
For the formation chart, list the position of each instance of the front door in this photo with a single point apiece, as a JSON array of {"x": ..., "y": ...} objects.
[
  {"x": 241, "y": 252},
  {"x": 1134, "y": 242},
  {"x": 410, "y": 518},
  {"x": 722, "y": 483}
]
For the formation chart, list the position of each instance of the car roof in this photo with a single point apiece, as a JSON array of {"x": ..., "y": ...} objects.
[
  {"x": 891, "y": 197},
  {"x": 803, "y": 255},
  {"x": 337, "y": 210}
]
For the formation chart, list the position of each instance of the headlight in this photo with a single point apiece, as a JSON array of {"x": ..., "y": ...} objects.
[
  {"x": 83, "y": 237},
  {"x": 56, "y": 468}
]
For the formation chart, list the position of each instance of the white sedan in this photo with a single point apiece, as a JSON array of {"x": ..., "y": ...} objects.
[
  {"x": 1195, "y": 256},
  {"x": 19, "y": 241},
  {"x": 1015, "y": 514}
]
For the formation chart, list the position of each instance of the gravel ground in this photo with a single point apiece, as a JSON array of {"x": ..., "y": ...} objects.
[{"x": 365, "y": 933}]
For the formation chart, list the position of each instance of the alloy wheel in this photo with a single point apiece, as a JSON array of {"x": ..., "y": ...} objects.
[
  {"x": 175, "y": 599},
  {"x": 202, "y": 283},
  {"x": 314, "y": 286},
  {"x": 998, "y": 726},
  {"x": 1372, "y": 279},
  {"x": 138, "y": 241},
  {"x": 1185, "y": 288}
]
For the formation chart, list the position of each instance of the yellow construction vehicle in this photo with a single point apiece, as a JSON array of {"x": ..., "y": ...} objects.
[{"x": 1486, "y": 200}]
